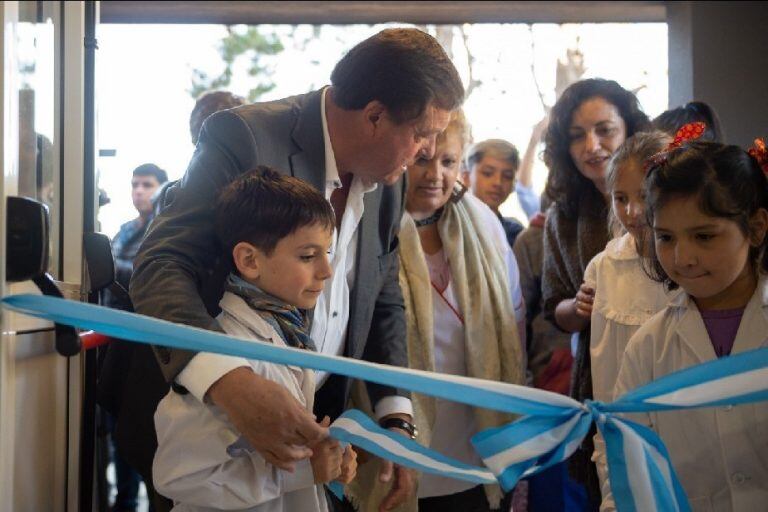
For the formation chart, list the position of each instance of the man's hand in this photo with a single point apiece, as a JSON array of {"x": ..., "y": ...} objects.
[
  {"x": 405, "y": 479},
  {"x": 402, "y": 488},
  {"x": 270, "y": 418}
]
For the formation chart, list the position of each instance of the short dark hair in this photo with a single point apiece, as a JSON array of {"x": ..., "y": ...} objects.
[
  {"x": 565, "y": 184},
  {"x": 403, "y": 68},
  {"x": 151, "y": 170},
  {"x": 262, "y": 207},
  {"x": 209, "y": 103},
  {"x": 728, "y": 181},
  {"x": 696, "y": 111}
]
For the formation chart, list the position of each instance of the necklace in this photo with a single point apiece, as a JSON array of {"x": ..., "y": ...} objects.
[{"x": 429, "y": 220}]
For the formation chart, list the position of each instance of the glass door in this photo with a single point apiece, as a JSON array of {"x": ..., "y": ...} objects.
[{"x": 45, "y": 126}]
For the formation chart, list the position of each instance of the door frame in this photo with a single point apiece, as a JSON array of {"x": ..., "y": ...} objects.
[{"x": 74, "y": 184}]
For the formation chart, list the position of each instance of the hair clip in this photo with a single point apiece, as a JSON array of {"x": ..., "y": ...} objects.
[
  {"x": 760, "y": 154},
  {"x": 656, "y": 160},
  {"x": 686, "y": 133}
]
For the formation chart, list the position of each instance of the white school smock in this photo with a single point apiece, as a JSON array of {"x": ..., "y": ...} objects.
[
  {"x": 625, "y": 298},
  {"x": 720, "y": 454},
  {"x": 192, "y": 465},
  {"x": 454, "y": 421}
]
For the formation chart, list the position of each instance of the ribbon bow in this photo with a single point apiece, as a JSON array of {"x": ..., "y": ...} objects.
[
  {"x": 687, "y": 132},
  {"x": 760, "y": 153}
]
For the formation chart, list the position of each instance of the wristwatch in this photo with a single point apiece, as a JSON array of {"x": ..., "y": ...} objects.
[{"x": 400, "y": 423}]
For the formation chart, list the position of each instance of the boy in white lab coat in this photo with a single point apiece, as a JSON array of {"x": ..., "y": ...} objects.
[{"x": 278, "y": 231}]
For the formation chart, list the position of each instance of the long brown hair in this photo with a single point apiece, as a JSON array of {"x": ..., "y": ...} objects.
[{"x": 565, "y": 185}]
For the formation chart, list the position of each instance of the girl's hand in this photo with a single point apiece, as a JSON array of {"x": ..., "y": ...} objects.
[{"x": 583, "y": 301}]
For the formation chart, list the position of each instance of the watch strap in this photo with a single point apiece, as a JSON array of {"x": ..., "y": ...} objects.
[{"x": 401, "y": 424}]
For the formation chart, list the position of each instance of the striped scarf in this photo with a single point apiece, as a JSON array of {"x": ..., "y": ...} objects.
[{"x": 289, "y": 321}]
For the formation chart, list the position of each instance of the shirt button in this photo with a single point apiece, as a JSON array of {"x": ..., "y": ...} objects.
[
  {"x": 738, "y": 478},
  {"x": 335, "y": 314}
]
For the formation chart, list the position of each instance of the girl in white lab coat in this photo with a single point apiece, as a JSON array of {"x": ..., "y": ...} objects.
[
  {"x": 624, "y": 296},
  {"x": 707, "y": 204}
]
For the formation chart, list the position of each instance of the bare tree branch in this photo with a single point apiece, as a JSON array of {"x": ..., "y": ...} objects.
[
  {"x": 571, "y": 70},
  {"x": 473, "y": 82},
  {"x": 444, "y": 36},
  {"x": 533, "y": 71}
]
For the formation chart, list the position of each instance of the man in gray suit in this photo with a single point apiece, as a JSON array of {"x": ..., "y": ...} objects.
[{"x": 390, "y": 97}]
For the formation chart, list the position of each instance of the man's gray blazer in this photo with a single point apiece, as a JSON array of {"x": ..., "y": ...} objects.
[{"x": 180, "y": 268}]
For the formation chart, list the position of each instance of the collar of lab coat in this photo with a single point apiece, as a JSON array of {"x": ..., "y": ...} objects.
[
  {"x": 245, "y": 315},
  {"x": 622, "y": 248},
  {"x": 750, "y": 335}
]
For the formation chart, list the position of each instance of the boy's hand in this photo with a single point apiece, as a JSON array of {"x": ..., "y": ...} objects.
[
  {"x": 348, "y": 465},
  {"x": 274, "y": 422},
  {"x": 326, "y": 458}
]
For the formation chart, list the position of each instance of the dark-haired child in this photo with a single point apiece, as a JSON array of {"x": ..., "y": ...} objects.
[
  {"x": 707, "y": 204},
  {"x": 670, "y": 121},
  {"x": 278, "y": 230}
]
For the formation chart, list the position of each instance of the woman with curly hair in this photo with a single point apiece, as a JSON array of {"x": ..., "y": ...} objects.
[{"x": 588, "y": 123}]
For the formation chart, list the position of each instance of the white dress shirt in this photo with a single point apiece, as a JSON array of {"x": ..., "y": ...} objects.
[{"x": 331, "y": 314}]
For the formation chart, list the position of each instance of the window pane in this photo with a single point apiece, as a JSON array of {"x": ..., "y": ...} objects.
[{"x": 38, "y": 167}]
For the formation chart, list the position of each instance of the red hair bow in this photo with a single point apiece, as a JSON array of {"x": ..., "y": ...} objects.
[
  {"x": 760, "y": 153},
  {"x": 690, "y": 131},
  {"x": 687, "y": 132}
]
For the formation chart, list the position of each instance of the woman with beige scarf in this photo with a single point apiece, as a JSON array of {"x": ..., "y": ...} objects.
[{"x": 462, "y": 297}]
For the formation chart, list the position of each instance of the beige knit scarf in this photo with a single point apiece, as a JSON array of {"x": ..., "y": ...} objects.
[{"x": 493, "y": 352}]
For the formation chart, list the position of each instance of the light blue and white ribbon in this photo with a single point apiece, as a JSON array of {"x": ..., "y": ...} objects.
[{"x": 642, "y": 476}]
